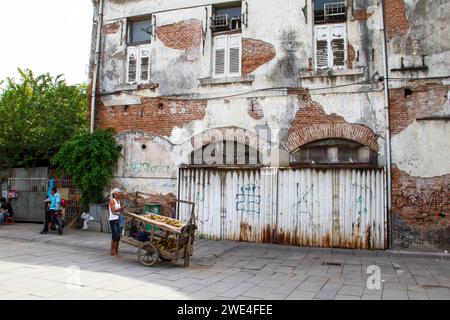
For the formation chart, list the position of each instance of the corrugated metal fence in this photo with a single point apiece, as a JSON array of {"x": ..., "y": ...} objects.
[
  {"x": 308, "y": 207},
  {"x": 28, "y": 195}
]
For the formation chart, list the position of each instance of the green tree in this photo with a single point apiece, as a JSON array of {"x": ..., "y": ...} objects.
[
  {"x": 90, "y": 159},
  {"x": 37, "y": 115}
]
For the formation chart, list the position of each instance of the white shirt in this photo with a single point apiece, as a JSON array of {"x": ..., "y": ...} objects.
[{"x": 113, "y": 216}]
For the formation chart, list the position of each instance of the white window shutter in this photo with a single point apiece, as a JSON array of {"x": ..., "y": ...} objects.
[
  {"x": 144, "y": 63},
  {"x": 234, "y": 55},
  {"x": 338, "y": 46},
  {"x": 220, "y": 47},
  {"x": 322, "y": 47},
  {"x": 132, "y": 65}
]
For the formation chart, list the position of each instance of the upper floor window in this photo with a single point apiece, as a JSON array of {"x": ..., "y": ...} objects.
[
  {"x": 331, "y": 46},
  {"x": 330, "y": 11},
  {"x": 227, "y": 55},
  {"x": 140, "y": 31},
  {"x": 227, "y": 17},
  {"x": 330, "y": 34},
  {"x": 334, "y": 151}
]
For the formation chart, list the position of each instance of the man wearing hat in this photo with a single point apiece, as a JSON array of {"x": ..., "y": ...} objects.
[{"x": 114, "y": 209}]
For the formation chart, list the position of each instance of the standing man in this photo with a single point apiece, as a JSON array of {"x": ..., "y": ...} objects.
[{"x": 55, "y": 203}]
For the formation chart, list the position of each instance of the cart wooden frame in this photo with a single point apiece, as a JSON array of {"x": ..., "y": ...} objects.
[{"x": 148, "y": 252}]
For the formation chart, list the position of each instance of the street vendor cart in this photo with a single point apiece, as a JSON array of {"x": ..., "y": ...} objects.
[{"x": 159, "y": 237}]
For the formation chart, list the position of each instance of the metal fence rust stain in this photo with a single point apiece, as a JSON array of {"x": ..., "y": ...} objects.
[{"x": 294, "y": 207}]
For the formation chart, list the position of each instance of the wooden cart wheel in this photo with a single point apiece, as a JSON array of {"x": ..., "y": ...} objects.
[{"x": 148, "y": 254}]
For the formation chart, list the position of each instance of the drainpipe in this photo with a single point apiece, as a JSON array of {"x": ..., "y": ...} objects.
[
  {"x": 388, "y": 130},
  {"x": 99, "y": 19}
]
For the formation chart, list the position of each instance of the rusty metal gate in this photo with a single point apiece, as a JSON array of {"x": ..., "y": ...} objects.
[
  {"x": 342, "y": 208},
  {"x": 308, "y": 207},
  {"x": 27, "y": 196}
]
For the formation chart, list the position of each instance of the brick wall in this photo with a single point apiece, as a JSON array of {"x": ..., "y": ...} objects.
[
  {"x": 423, "y": 99},
  {"x": 184, "y": 35},
  {"x": 111, "y": 28},
  {"x": 255, "y": 53},
  {"x": 420, "y": 206},
  {"x": 351, "y": 55},
  {"x": 311, "y": 123},
  {"x": 158, "y": 116},
  {"x": 397, "y": 23}
]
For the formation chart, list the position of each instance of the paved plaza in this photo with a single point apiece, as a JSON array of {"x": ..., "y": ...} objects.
[{"x": 77, "y": 266}]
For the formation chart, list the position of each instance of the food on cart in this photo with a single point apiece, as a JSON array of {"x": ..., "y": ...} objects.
[
  {"x": 165, "y": 220},
  {"x": 167, "y": 244}
]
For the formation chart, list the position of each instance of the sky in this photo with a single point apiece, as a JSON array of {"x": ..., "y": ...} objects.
[{"x": 51, "y": 36}]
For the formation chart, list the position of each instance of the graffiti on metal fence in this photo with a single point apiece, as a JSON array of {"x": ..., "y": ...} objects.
[
  {"x": 363, "y": 195},
  {"x": 302, "y": 203},
  {"x": 248, "y": 200}
]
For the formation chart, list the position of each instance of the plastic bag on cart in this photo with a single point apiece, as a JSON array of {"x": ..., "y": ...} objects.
[{"x": 141, "y": 236}]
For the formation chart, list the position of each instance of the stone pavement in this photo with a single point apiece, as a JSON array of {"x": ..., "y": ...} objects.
[{"x": 77, "y": 266}]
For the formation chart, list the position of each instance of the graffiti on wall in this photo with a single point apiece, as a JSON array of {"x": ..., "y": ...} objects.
[
  {"x": 248, "y": 200},
  {"x": 148, "y": 168},
  {"x": 363, "y": 195},
  {"x": 427, "y": 202},
  {"x": 157, "y": 186},
  {"x": 302, "y": 204}
]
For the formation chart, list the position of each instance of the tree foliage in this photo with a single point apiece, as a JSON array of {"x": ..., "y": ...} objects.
[
  {"x": 38, "y": 114},
  {"x": 90, "y": 160}
]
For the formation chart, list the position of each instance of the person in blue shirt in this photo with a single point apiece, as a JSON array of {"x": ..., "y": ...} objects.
[{"x": 55, "y": 205}]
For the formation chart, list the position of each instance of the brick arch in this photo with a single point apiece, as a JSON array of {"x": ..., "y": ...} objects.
[
  {"x": 239, "y": 135},
  {"x": 347, "y": 131}
]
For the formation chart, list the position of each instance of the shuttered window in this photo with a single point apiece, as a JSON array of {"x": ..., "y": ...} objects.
[
  {"x": 220, "y": 55},
  {"x": 227, "y": 56},
  {"x": 331, "y": 48},
  {"x": 138, "y": 64},
  {"x": 132, "y": 65},
  {"x": 144, "y": 67}
]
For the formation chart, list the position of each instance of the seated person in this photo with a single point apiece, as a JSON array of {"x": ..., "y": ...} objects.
[{"x": 6, "y": 210}]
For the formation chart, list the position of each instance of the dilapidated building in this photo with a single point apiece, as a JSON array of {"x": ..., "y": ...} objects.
[{"x": 304, "y": 122}]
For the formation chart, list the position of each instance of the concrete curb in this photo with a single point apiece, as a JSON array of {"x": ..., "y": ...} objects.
[{"x": 413, "y": 254}]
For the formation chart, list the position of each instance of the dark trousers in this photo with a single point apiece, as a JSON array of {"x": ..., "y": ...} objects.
[
  {"x": 48, "y": 218},
  {"x": 115, "y": 230}
]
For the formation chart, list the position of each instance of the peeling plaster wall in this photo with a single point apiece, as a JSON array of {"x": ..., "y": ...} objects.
[
  {"x": 166, "y": 114},
  {"x": 284, "y": 27},
  {"x": 414, "y": 153},
  {"x": 176, "y": 70},
  {"x": 420, "y": 122},
  {"x": 428, "y": 34}
]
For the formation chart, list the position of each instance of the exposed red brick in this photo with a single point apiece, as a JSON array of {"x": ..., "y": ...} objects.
[
  {"x": 255, "y": 53},
  {"x": 255, "y": 110},
  {"x": 421, "y": 202},
  {"x": 426, "y": 99},
  {"x": 311, "y": 123},
  {"x": 351, "y": 55},
  {"x": 397, "y": 23},
  {"x": 361, "y": 15},
  {"x": 155, "y": 115},
  {"x": 239, "y": 135},
  {"x": 111, "y": 28},
  {"x": 185, "y": 35}
]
